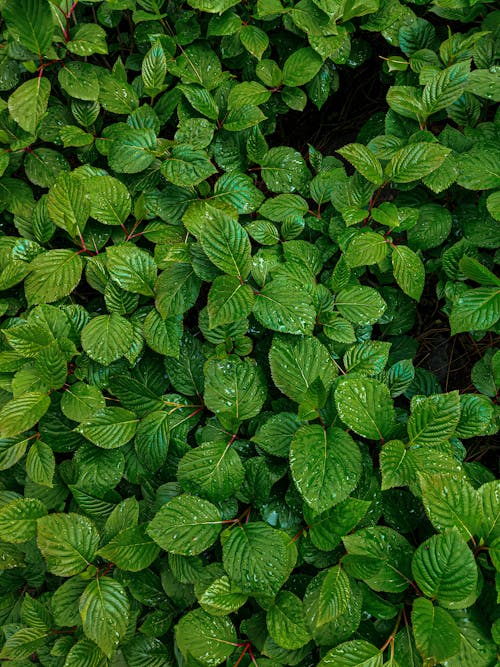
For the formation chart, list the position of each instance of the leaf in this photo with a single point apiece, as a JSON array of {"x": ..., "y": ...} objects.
[
  {"x": 132, "y": 268},
  {"x": 284, "y": 170},
  {"x": 201, "y": 100},
  {"x": 132, "y": 149},
  {"x": 163, "y": 335},
  {"x": 325, "y": 465},
  {"x": 257, "y": 558},
  {"x": 228, "y": 301},
  {"x": 84, "y": 654},
  {"x": 477, "y": 271},
  {"x": 152, "y": 440},
  {"x": 23, "y": 643},
  {"x": 104, "y": 608},
  {"x": 116, "y": 96},
  {"x": 365, "y": 405},
  {"x": 234, "y": 387},
  {"x": 68, "y": 542},
  {"x": 186, "y": 525},
  {"x": 451, "y": 502},
  {"x": 187, "y": 166},
  {"x": 227, "y": 244},
  {"x": 436, "y": 634},
  {"x": 18, "y": 519},
  {"x": 286, "y": 621},
  {"x": 242, "y": 118},
  {"x": 221, "y": 598},
  {"x": 301, "y": 66},
  {"x": 40, "y": 463},
  {"x": 356, "y": 653},
  {"x": 275, "y": 434},
  {"x": 408, "y": 270},
  {"x": 80, "y": 401},
  {"x": 367, "y": 358},
  {"x": 360, "y": 305},
  {"x": 67, "y": 205},
  {"x": 489, "y": 497},
  {"x": 207, "y": 639},
  {"x": 476, "y": 414},
  {"x": 87, "y": 39},
  {"x": 254, "y": 40},
  {"x": 445, "y": 570},
  {"x": 176, "y": 290},
  {"x": 28, "y": 104},
  {"x": 327, "y": 597},
  {"x": 109, "y": 200},
  {"x": 433, "y": 419},
  {"x": 131, "y": 549},
  {"x": 475, "y": 309},
  {"x": 109, "y": 428},
  {"x": 79, "y": 80},
  {"x": 445, "y": 87},
  {"x": 286, "y": 307},
  {"x": 366, "y": 248},
  {"x": 213, "y": 471},
  {"x": 364, "y": 161},
  {"x": 416, "y": 161},
  {"x": 327, "y": 529},
  {"x": 54, "y": 275},
  {"x": 239, "y": 191},
  {"x": 30, "y": 22},
  {"x": 22, "y": 413},
  {"x": 296, "y": 364},
  {"x": 106, "y": 338}
]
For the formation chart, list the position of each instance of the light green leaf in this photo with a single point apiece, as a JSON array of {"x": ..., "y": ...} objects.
[
  {"x": 489, "y": 497},
  {"x": 221, "y": 597},
  {"x": 186, "y": 525},
  {"x": 327, "y": 596},
  {"x": 476, "y": 414},
  {"x": 408, "y": 270},
  {"x": 54, "y": 275},
  {"x": 284, "y": 170},
  {"x": 152, "y": 439},
  {"x": 286, "y": 621},
  {"x": 30, "y": 22},
  {"x": 242, "y": 118},
  {"x": 445, "y": 87},
  {"x": 227, "y": 244},
  {"x": 131, "y": 549},
  {"x": 131, "y": 150},
  {"x": 68, "y": 542},
  {"x": 285, "y": 306},
  {"x": 477, "y": 271},
  {"x": 28, "y": 104},
  {"x": 87, "y": 39},
  {"x": 80, "y": 401},
  {"x": 154, "y": 67},
  {"x": 445, "y": 570},
  {"x": 176, "y": 289},
  {"x": 275, "y": 434},
  {"x": 109, "y": 428},
  {"x": 301, "y": 66},
  {"x": 367, "y": 358},
  {"x": 416, "y": 161},
  {"x": 207, "y": 639},
  {"x": 479, "y": 168},
  {"x": 356, "y": 653},
  {"x": 163, "y": 335},
  {"x": 365, "y": 405},
  {"x": 433, "y": 419},
  {"x": 201, "y": 100},
  {"x": 364, "y": 161},
  {"x": 360, "y": 305},
  {"x": 115, "y": 95},
  {"x": 40, "y": 463},
  {"x": 187, "y": 166},
  {"x": 258, "y": 558},
  {"x": 228, "y": 301},
  {"x": 213, "y": 7},
  {"x": 18, "y": 519},
  {"x": 436, "y": 634},
  {"x": 22, "y": 644},
  {"x": 239, "y": 191},
  {"x": 325, "y": 465},
  {"x": 132, "y": 268},
  {"x": 22, "y": 413},
  {"x": 85, "y": 654},
  {"x": 366, "y": 248},
  {"x": 79, "y": 80},
  {"x": 67, "y": 204},
  {"x": 234, "y": 387},
  {"x": 327, "y": 529},
  {"x": 106, "y": 338},
  {"x": 476, "y": 309},
  {"x": 104, "y": 608},
  {"x": 109, "y": 199},
  {"x": 254, "y": 40}
]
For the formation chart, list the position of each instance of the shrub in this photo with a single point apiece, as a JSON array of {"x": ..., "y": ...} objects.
[{"x": 220, "y": 440}]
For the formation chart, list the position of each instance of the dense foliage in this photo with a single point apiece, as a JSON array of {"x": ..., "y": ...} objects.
[{"x": 217, "y": 441}]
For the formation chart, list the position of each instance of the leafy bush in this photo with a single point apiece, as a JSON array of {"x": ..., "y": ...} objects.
[{"x": 219, "y": 441}]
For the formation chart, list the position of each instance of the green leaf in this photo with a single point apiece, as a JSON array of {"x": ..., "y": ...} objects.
[
  {"x": 163, "y": 335},
  {"x": 356, "y": 653},
  {"x": 79, "y": 80},
  {"x": 176, "y": 290},
  {"x": 132, "y": 268},
  {"x": 234, "y": 387},
  {"x": 364, "y": 161},
  {"x": 489, "y": 497},
  {"x": 433, "y": 419},
  {"x": 286, "y": 307},
  {"x": 325, "y": 465},
  {"x": 365, "y": 405},
  {"x": 67, "y": 204},
  {"x": 327, "y": 529},
  {"x": 80, "y": 401},
  {"x": 286, "y": 621},
  {"x": 221, "y": 598},
  {"x": 301, "y": 66},
  {"x": 154, "y": 67},
  {"x": 479, "y": 169},
  {"x": 367, "y": 358},
  {"x": 445, "y": 87},
  {"x": 104, "y": 608},
  {"x": 109, "y": 200},
  {"x": 227, "y": 244},
  {"x": 445, "y": 570},
  {"x": 254, "y": 40},
  {"x": 477, "y": 271},
  {"x": 327, "y": 597},
  {"x": 213, "y": 7},
  {"x": 416, "y": 161},
  {"x": 131, "y": 150},
  {"x": 30, "y": 22},
  {"x": 476, "y": 414},
  {"x": 366, "y": 248},
  {"x": 106, "y": 338},
  {"x": 68, "y": 542},
  {"x": 228, "y": 301},
  {"x": 40, "y": 463},
  {"x": 54, "y": 275},
  {"x": 436, "y": 634},
  {"x": 131, "y": 549},
  {"x": 201, "y": 100},
  {"x": 284, "y": 170},
  {"x": 275, "y": 434},
  {"x": 475, "y": 309},
  {"x": 258, "y": 558},
  {"x": 18, "y": 519},
  {"x": 186, "y": 525},
  {"x": 84, "y": 654},
  {"x": 207, "y": 639},
  {"x": 408, "y": 270},
  {"x": 484, "y": 82},
  {"x": 152, "y": 439},
  {"x": 28, "y": 104},
  {"x": 451, "y": 502},
  {"x": 23, "y": 643},
  {"x": 187, "y": 166},
  {"x": 115, "y": 95},
  {"x": 22, "y": 413},
  {"x": 87, "y": 39},
  {"x": 297, "y": 363},
  {"x": 109, "y": 428},
  {"x": 239, "y": 191},
  {"x": 242, "y": 118},
  {"x": 360, "y": 305}
]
